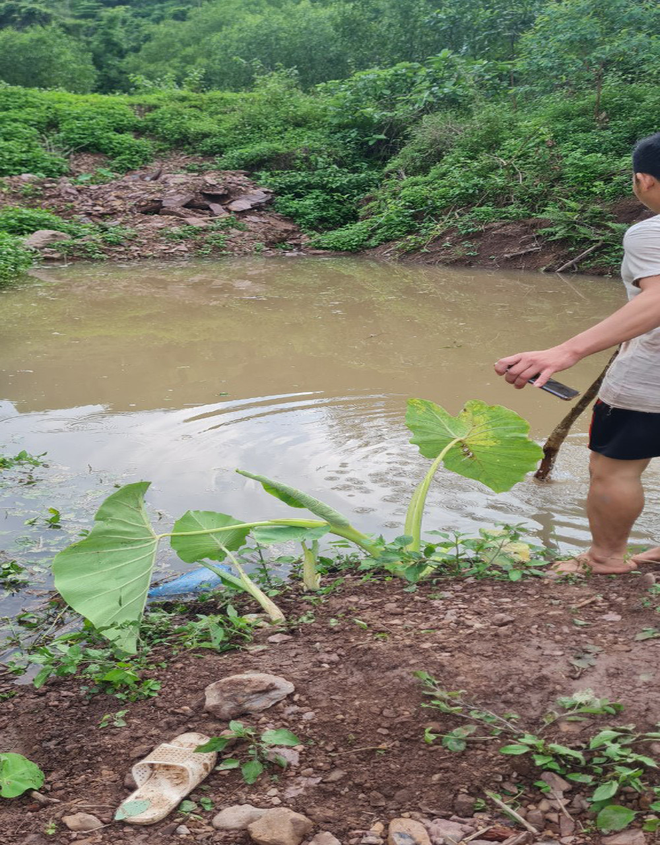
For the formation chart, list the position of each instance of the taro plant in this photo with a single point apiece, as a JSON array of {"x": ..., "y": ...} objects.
[
  {"x": 18, "y": 774},
  {"x": 106, "y": 576}
]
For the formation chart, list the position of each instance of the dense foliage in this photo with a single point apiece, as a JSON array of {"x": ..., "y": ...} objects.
[{"x": 373, "y": 120}]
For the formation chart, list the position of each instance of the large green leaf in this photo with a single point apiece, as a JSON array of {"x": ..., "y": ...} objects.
[
  {"x": 18, "y": 774},
  {"x": 297, "y": 499},
  {"x": 106, "y": 576},
  {"x": 206, "y": 546},
  {"x": 494, "y": 445},
  {"x": 269, "y": 535}
]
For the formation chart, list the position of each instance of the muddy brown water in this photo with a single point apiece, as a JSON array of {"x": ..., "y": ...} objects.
[{"x": 294, "y": 368}]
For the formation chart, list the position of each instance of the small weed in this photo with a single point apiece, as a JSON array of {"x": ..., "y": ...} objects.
[
  {"x": 259, "y": 751},
  {"x": 113, "y": 720},
  {"x": 607, "y": 762}
]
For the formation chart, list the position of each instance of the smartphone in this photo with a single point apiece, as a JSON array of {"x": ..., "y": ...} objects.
[{"x": 557, "y": 389}]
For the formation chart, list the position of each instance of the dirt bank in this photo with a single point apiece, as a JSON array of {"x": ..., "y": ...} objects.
[
  {"x": 161, "y": 211},
  {"x": 520, "y": 245},
  {"x": 358, "y": 710}
]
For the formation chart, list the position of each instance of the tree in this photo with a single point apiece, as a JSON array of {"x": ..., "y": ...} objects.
[
  {"x": 45, "y": 57},
  {"x": 579, "y": 42}
]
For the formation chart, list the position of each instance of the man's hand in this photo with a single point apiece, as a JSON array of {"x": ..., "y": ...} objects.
[{"x": 519, "y": 369}]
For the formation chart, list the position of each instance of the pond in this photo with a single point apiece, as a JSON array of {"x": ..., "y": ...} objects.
[{"x": 294, "y": 368}]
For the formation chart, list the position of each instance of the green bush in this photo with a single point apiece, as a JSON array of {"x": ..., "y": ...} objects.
[
  {"x": 24, "y": 221},
  {"x": 322, "y": 198},
  {"x": 14, "y": 258}
]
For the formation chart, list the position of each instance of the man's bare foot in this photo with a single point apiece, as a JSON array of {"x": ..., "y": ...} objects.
[
  {"x": 649, "y": 556},
  {"x": 585, "y": 565}
]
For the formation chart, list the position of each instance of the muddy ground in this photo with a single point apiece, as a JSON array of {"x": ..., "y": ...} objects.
[
  {"x": 358, "y": 710},
  {"x": 517, "y": 245}
]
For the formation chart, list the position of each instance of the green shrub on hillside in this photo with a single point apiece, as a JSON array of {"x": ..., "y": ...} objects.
[
  {"x": 24, "y": 221},
  {"x": 14, "y": 258}
]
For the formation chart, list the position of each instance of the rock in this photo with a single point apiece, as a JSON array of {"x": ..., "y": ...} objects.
[
  {"x": 334, "y": 776},
  {"x": 237, "y": 817},
  {"x": 251, "y": 692},
  {"x": 536, "y": 819},
  {"x": 217, "y": 210},
  {"x": 44, "y": 799},
  {"x": 182, "y": 830},
  {"x": 82, "y": 821},
  {"x": 290, "y": 755},
  {"x": 177, "y": 200},
  {"x": 445, "y": 832},
  {"x": 407, "y": 832},
  {"x": 280, "y": 827},
  {"x": 556, "y": 783},
  {"x": 464, "y": 804},
  {"x": 44, "y": 238},
  {"x": 501, "y": 619},
  {"x": 279, "y": 638},
  {"x": 626, "y": 837},
  {"x": 324, "y": 838},
  {"x": 248, "y": 201},
  {"x": 199, "y": 222},
  {"x": 646, "y": 580},
  {"x": 611, "y": 617}
]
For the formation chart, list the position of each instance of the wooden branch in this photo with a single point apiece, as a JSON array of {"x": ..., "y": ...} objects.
[
  {"x": 575, "y": 261},
  {"x": 512, "y": 813},
  {"x": 560, "y": 432},
  {"x": 521, "y": 252}
]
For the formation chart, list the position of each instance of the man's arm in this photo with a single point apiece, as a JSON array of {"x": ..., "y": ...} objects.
[{"x": 637, "y": 317}]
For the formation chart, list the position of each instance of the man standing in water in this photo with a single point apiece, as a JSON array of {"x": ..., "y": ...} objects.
[{"x": 625, "y": 431}]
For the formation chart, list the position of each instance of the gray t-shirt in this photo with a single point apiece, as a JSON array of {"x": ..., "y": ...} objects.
[{"x": 633, "y": 380}]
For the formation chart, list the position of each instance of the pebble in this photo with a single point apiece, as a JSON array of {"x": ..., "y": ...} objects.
[
  {"x": 82, "y": 821},
  {"x": 407, "y": 832},
  {"x": 334, "y": 776},
  {"x": 324, "y": 838},
  {"x": 237, "y": 817},
  {"x": 182, "y": 830},
  {"x": 626, "y": 837},
  {"x": 280, "y": 827},
  {"x": 501, "y": 619}
]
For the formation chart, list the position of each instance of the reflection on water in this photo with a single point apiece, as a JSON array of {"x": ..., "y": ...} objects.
[{"x": 294, "y": 368}]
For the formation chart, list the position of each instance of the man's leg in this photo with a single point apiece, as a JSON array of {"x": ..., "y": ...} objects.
[{"x": 615, "y": 501}]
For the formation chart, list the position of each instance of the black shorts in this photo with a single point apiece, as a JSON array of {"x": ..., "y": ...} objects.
[{"x": 624, "y": 435}]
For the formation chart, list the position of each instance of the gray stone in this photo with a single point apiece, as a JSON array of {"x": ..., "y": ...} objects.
[
  {"x": 238, "y": 817},
  {"x": 501, "y": 619},
  {"x": 464, "y": 804},
  {"x": 280, "y": 827},
  {"x": 279, "y": 638},
  {"x": 246, "y": 202},
  {"x": 626, "y": 837},
  {"x": 251, "y": 692},
  {"x": 289, "y": 755},
  {"x": 556, "y": 783},
  {"x": 536, "y": 819},
  {"x": 334, "y": 776},
  {"x": 44, "y": 238},
  {"x": 82, "y": 822},
  {"x": 324, "y": 838},
  {"x": 445, "y": 832},
  {"x": 407, "y": 832}
]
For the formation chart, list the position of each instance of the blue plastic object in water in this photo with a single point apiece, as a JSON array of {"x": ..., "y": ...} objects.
[{"x": 190, "y": 583}]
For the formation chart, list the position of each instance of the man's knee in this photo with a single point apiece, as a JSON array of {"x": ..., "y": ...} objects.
[{"x": 610, "y": 469}]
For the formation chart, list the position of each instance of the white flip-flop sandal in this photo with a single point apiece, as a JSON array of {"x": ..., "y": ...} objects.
[{"x": 165, "y": 777}]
